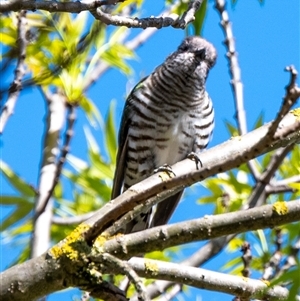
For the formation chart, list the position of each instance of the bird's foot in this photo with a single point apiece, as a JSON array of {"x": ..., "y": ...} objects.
[
  {"x": 194, "y": 157},
  {"x": 167, "y": 169}
]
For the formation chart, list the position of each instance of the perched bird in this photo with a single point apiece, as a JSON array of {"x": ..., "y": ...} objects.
[{"x": 167, "y": 116}]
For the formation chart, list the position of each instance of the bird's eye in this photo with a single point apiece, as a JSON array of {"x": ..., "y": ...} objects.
[
  {"x": 200, "y": 53},
  {"x": 184, "y": 47}
]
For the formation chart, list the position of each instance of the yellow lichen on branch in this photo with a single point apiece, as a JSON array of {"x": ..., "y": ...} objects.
[
  {"x": 296, "y": 113},
  {"x": 151, "y": 268},
  {"x": 280, "y": 208},
  {"x": 72, "y": 245}
]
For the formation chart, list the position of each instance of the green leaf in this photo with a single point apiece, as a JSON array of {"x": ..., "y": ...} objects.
[
  {"x": 17, "y": 182},
  {"x": 100, "y": 169},
  {"x": 233, "y": 131},
  {"x": 91, "y": 111},
  {"x": 234, "y": 265},
  {"x": 260, "y": 120},
  {"x": 199, "y": 19},
  {"x": 112, "y": 57},
  {"x": 77, "y": 163},
  {"x": 16, "y": 215},
  {"x": 14, "y": 200},
  {"x": 110, "y": 133}
]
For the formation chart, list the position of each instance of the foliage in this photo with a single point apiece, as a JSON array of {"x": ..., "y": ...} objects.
[{"x": 64, "y": 54}]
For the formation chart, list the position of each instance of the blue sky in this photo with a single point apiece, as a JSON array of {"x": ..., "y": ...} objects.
[{"x": 267, "y": 40}]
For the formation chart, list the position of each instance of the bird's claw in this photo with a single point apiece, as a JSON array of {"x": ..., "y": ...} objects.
[
  {"x": 167, "y": 169},
  {"x": 194, "y": 157}
]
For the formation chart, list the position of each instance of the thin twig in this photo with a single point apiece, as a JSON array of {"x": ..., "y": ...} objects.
[
  {"x": 291, "y": 260},
  {"x": 276, "y": 189},
  {"x": 51, "y": 6},
  {"x": 16, "y": 85},
  {"x": 247, "y": 258},
  {"x": 71, "y": 117},
  {"x": 171, "y": 293},
  {"x": 235, "y": 72},
  {"x": 259, "y": 194},
  {"x": 291, "y": 96},
  {"x": 107, "y": 291},
  {"x": 157, "y": 22},
  {"x": 287, "y": 181},
  {"x": 189, "y": 15},
  {"x": 124, "y": 268},
  {"x": 280, "y": 186},
  {"x": 71, "y": 220},
  {"x": 42, "y": 218},
  {"x": 272, "y": 266}
]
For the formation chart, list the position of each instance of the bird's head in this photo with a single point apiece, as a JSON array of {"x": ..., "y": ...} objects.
[
  {"x": 194, "y": 56},
  {"x": 200, "y": 49}
]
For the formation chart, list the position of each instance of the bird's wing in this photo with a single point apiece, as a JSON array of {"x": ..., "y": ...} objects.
[
  {"x": 165, "y": 209},
  {"x": 123, "y": 142}
]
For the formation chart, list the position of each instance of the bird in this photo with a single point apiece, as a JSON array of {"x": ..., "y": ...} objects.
[{"x": 167, "y": 116}]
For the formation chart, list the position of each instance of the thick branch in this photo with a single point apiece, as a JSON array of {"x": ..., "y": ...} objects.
[
  {"x": 33, "y": 279},
  {"x": 208, "y": 227},
  {"x": 50, "y": 275},
  {"x": 204, "y": 279}
]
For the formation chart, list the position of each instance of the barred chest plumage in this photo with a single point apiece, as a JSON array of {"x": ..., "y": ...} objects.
[
  {"x": 167, "y": 115},
  {"x": 164, "y": 133}
]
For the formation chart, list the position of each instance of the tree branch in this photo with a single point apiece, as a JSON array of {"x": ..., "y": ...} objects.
[
  {"x": 157, "y": 22},
  {"x": 204, "y": 279},
  {"x": 124, "y": 268},
  {"x": 72, "y": 220},
  {"x": 65, "y": 270},
  {"x": 235, "y": 72},
  {"x": 43, "y": 208},
  {"x": 71, "y": 117},
  {"x": 50, "y": 6},
  {"x": 259, "y": 194},
  {"x": 208, "y": 227},
  {"x": 205, "y": 253},
  {"x": 16, "y": 85},
  {"x": 290, "y": 98}
]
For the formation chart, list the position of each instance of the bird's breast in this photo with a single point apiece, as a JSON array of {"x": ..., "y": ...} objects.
[{"x": 174, "y": 142}]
